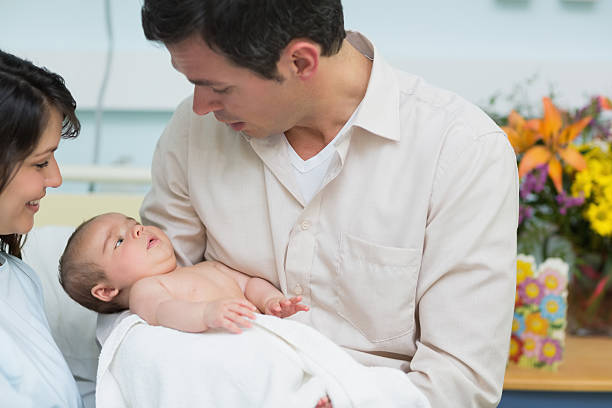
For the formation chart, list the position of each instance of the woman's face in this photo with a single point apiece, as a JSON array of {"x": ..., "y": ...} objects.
[{"x": 20, "y": 200}]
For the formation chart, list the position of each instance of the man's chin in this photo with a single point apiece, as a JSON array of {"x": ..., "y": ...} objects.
[{"x": 255, "y": 133}]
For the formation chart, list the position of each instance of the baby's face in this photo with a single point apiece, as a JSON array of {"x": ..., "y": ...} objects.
[{"x": 126, "y": 250}]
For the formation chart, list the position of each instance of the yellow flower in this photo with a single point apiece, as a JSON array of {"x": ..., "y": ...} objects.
[
  {"x": 524, "y": 269},
  {"x": 601, "y": 170},
  {"x": 600, "y": 217},
  {"x": 595, "y": 181},
  {"x": 607, "y": 194},
  {"x": 583, "y": 184}
]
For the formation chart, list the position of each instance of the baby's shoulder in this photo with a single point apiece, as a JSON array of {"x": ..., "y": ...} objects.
[{"x": 148, "y": 283}]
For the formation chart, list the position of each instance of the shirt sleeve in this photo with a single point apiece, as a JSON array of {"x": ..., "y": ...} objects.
[
  {"x": 467, "y": 280},
  {"x": 168, "y": 204}
]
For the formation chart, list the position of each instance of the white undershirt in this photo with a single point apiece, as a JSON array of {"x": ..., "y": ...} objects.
[{"x": 310, "y": 173}]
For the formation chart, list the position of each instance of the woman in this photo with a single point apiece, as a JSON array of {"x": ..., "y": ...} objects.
[{"x": 36, "y": 110}]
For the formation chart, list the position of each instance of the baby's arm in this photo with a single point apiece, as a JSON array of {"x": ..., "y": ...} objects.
[
  {"x": 270, "y": 300},
  {"x": 153, "y": 302},
  {"x": 264, "y": 295}
]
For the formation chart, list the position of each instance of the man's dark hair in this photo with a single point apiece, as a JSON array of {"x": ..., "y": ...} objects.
[
  {"x": 250, "y": 33},
  {"x": 27, "y": 94}
]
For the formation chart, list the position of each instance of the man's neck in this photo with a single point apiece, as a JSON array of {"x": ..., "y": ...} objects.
[{"x": 341, "y": 84}]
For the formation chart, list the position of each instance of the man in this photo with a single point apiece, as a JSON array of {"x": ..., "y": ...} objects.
[{"x": 389, "y": 205}]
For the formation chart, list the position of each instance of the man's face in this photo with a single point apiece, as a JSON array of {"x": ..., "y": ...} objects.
[
  {"x": 126, "y": 250},
  {"x": 243, "y": 100}
]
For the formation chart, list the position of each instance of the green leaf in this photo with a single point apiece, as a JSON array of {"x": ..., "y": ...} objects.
[
  {"x": 560, "y": 247},
  {"x": 532, "y": 240}
]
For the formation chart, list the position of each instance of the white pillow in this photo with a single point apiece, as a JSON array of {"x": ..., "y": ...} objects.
[{"x": 73, "y": 327}]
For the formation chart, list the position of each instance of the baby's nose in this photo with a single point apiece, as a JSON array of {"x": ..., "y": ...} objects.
[{"x": 137, "y": 231}]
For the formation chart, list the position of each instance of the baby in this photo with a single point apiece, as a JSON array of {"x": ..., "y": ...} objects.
[{"x": 112, "y": 263}]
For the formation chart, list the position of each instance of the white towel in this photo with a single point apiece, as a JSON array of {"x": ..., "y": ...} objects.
[{"x": 277, "y": 362}]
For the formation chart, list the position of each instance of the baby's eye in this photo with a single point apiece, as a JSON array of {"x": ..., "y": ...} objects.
[
  {"x": 119, "y": 242},
  {"x": 42, "y": 165}
]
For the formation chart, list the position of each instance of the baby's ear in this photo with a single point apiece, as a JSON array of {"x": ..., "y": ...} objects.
[{"x": 104, "y": 292}]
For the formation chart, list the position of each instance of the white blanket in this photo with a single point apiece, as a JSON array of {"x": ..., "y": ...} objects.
[{"x": 275, "y": 363}]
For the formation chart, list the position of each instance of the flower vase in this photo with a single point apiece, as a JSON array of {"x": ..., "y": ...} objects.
[{"x": 538, "y": 327}]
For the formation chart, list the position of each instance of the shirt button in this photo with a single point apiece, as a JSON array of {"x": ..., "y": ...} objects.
[
  {"x": 306, "y": 224},
  {"x": 297, "y": 289}
]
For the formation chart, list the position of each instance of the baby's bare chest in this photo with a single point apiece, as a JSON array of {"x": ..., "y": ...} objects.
[{"x": 205, "y": 286}]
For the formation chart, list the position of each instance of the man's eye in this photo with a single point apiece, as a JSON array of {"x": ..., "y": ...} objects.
[
  {"x": 221, "y": 91},
  {"x": 42, "y": 165},
  {"x": 119, "y": 242}
]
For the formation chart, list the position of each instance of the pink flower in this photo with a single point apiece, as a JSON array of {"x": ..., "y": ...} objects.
[
  {"x": 552, "y": 281},
  {"x": 531, "y": 344},
  {"x": 550, "y": 351}
]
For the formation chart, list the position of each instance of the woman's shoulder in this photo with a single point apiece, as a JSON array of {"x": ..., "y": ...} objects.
[
  {"x": 19, "y": 264},
  {"x": 16, "y": 268}
]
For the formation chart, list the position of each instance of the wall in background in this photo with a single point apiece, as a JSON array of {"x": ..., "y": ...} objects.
[{"x": 476, "y": 48}]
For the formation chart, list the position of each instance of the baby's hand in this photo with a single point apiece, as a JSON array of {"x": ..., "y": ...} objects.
[
  {"x": 283, "y": 307},
  {"x": 229, "y": 314},
  {"x": 324, "y": 403}
]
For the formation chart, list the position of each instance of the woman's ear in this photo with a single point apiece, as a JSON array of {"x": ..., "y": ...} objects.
[
  {"x": 104, "y": 292},
  {"x": 303, "y": 57}
]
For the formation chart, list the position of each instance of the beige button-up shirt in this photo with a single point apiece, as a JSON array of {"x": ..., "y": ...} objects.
[{"x": 406, "y": 255}]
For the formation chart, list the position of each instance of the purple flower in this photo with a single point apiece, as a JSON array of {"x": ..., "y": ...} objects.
[
  {"x": 534, "y": 181},
  {"x": 566, "y": 201},
  {"x": 525, "y": 212},
  {"x": 531, "y": 291},
  {"x": 550, "y": 351},
  {"x": 542, "y": 175}
]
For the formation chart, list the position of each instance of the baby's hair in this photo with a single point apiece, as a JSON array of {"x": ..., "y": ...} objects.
[{"x": 78, "y": 276}]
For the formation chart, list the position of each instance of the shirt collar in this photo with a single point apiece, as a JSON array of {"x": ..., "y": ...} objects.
[{"x": 379, "y": 111}]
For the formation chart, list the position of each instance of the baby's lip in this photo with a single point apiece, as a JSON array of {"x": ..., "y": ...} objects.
[{"x": 152, "y": 242}]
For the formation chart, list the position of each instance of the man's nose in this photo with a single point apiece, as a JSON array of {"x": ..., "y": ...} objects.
[{"x": 205, "y": 101}]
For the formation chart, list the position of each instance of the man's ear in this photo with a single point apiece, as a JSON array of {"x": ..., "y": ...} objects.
[
  {"x": 104, "y": 292},
  {"x": 303, "y": 57}
]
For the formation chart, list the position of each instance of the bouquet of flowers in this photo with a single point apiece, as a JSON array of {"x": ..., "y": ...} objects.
[{"x": 565, "y": 167}]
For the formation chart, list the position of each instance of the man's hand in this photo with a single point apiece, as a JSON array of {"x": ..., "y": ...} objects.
[
  {"x": 283, "y": 307},
  {"x": 229, "y": 314}
]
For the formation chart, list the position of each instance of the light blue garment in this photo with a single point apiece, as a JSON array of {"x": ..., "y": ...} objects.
[{"x": 33, "y": 372}]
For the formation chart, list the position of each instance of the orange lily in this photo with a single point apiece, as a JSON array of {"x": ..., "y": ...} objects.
[
  {"x": 604, "y": 102},
  {"x": 520, "y": 132},
  {"x": 557, "y": 139}
]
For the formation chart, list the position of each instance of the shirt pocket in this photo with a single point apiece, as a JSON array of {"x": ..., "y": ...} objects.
[{"x": 376, "y": 288}]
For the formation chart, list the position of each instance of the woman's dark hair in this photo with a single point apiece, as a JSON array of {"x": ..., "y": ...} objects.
[
  {"x": 250, "y": 33},
  {"x": 27, "y": 93}
]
